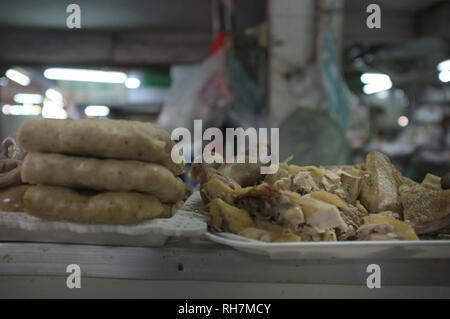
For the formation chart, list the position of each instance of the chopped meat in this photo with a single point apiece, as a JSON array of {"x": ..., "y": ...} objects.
[
  {"x": 217, "y": 188},
  {"x": 328, "y": 184},
  {"x": 305, "y": 182},
  {"x": 257, "y": 234},
  {"x": 426, "y": 210},
  {"x": 324, "y": 203},
  {"x": 273, "y": 178},
  {"x": 353, "y": 217},
  {"x": 361, "y": 208},
  {"x": 321, "y": 215},
  {"x": 330, "y": 181},
  {"x": 284, "y": 183},
  {"x": 244, "y": 174},
  {"x": 269, "y": 232},
  {"x": 228, "y": 217},
  {"x": 378, "y": 232},
  {"x": 310, "y": 233},
  {"x": 258, "y": 207},
  {"x": 329, "y": 198},
  {"x": 390, "y": 214},
  {"x": 379, "y": 187},
  {"x": 351, "y": 185},
  {"x": 291, "y": 216},
  {"x": 388, "y": 226},
  {"x": 441, "y": 226},
  {"x": 212, "y": 183},
  {"x": 432, "y": 182},
  {"x": 267, "y": 203}
]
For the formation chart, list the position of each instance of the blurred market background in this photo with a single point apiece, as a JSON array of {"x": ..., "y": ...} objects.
[{"x": 334, "y": 87}]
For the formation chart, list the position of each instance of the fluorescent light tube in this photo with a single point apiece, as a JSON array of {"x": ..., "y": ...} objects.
[
  {"x": 96, "y": 110},
  {"x": 17, "y": 77},
  {"x": 25, "y": 98},
  {"x": 85, "y": 75}
]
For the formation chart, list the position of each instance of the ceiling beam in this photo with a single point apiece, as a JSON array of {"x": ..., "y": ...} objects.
[{"x": 110, "y": 48}]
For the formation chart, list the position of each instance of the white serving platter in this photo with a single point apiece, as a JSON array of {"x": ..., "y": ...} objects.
[
  {"x": 439, "y": 249},
  {"x": 151, "y": 233},
  {"x": 428, "y": 249}
]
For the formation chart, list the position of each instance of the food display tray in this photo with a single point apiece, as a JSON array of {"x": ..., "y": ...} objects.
[
  {"x": 439, "y": 249},
  {"x": 429, "y": 249},
  {"x": 151, "y": 233}
]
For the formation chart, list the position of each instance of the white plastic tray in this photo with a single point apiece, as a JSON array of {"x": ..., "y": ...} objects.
[
  {"x": 439, "y": 249},
  {"x": 151, "y": 233}
]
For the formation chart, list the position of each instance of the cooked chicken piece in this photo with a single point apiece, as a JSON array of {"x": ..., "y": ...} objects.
[
  {"x": 291, "y": 216},
  {"x": 284, "y": 183},
  {"x": 268, "y": 236},
  {"x": 390, "y": 214},
  {"x": 330, "y": 181},
  {"x": 377, "y": 232},
  {"x": 321, "y": 215},
  {"x": 379, "y": 227},
  {"x": 351, "y": 184},
  {"x": 426, "y": 210},
  {"x": 339, "y": 182},
  {"x": 361, "y": 208},
  {"x": 228, "y": 217},
  {"x": 245, "y": 174},
  {"x": 273, "y": 178},
  {"x": 344, "y": 181},
  {"x": 267, "y": 203},
  {"x": 305, "y": 182},
  {"x": 330, "y": 199},
  {"x": 231, "y": 176},
  {"x": 212, "y": 183},
  {"x": 379, "y": 187},
  {"x": 402, "y": 180},
  {"x": 217, "y": 188},
  {"x": 269, "y": 232},
  {"x": 310, "y": 233},
  {"x": 282, "y": 234},
  {"x": 257, "y": 234},
  {"x": 432, "y": 182},
  {"x": 351, "y": 215},
  {"x": 198, "y": 169}
]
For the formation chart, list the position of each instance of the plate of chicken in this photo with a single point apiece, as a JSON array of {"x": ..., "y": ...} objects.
[{"x": 352, "y": 211}]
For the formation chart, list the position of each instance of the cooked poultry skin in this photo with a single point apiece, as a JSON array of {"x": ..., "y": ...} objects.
[
  {"x": 379, "y": 187},
  {"x": 228, "y": 217},
  {"x": 267, "y": 203},
  {"x": 426, "y": 210},
  {"x": 268, "y": 232},
  {"x": 245, "y": 174},
  {"x": 432, "y": 182},
  {"x": 321, "y": 215},
  {"x": 383, "y": 227}
]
